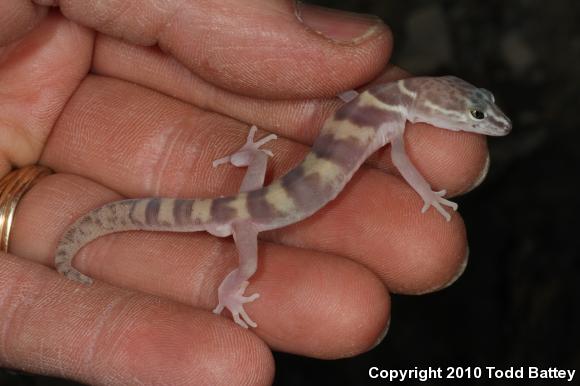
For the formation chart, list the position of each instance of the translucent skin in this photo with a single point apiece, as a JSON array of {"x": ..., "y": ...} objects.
[{"x": 365, "y": 123}]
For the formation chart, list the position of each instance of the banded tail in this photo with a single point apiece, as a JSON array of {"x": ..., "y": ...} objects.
[{"x": 153, "y": 214}]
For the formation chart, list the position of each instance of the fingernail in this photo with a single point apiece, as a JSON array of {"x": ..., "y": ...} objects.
[
  {"x": 460, "y": 270},
  {"x": 382, "y": 335},
  {"x": 336, "y": 25},
  {"x": 458, "y": 273},
  {"x": 481, "y": 176}
]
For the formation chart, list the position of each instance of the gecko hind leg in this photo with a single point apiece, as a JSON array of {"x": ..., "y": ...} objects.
[{"x": 231, "y": 290}]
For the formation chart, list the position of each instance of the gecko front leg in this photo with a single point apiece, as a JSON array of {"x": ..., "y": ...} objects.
[
  {"x": 231, "y": 290},
  {"x": 416, "y": 180},
  {"x": 253, "y": 157}
]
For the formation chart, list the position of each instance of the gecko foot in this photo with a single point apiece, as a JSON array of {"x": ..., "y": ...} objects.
[
  {"x": 233, "y": 299},
  {"x": 436, "y": 200},
  {"x": 244, "y": 155}
]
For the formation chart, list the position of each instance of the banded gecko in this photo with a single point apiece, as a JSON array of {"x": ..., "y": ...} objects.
[{"x": 366, "y": 122}]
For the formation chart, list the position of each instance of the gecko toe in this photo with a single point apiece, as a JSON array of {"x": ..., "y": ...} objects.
[
  {"x": 239, "y": 321},
  {"x": 251, "y": 298},
  {"x": 247, "y": 319},
  {"x": 234, "y": 301}
]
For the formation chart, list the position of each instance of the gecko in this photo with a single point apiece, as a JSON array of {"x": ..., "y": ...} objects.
[{"x": 366, "y": 122}]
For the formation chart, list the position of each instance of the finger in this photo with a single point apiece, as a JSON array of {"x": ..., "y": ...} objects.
[
  {"x": 38, "y": 74},
  {"x": 306, "y": 300},
  {"x": 454, "y": 161},
  {"x": 412, "y": 252},
  {"x": 298, "y": 119},
  {"x": 106, "y": 335},
  {"x": 276, "y": 49},
  {"x": 17, "y": 18}
]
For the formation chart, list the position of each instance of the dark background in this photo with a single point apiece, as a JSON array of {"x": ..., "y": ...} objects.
[{"x": 518, "y": 302}]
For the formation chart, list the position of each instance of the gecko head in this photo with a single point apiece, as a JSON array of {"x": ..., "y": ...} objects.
[{"x": 451, "y": 103}]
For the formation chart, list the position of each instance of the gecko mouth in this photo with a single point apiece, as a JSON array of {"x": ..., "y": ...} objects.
[
  {"x": 507, "y": 127},
  {"x": 501, "y": 126}
]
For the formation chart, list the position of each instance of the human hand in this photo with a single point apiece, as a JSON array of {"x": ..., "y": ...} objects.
[{"x": 116, "y": 119}]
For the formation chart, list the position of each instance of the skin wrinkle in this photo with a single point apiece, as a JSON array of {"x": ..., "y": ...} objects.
[
  {"x": 99, "y": 332},
  {"x": 41, "y": 113},
  {"x": 47, "y": 105},
  {"x": 47, "y": 357},
  {"x": 170, "y": 139},
  {"x": 169, "y": 20},
  {"x": 44, "y": 361},
  {"x": 113, "y": 18},
  {"x": 273, "y": 62},
  {"x": 22, "y": 293},
  {"x": 21, "y": 151},
  {"x": 105, "y": 318},
  {"x": 304, "y": 117},
  {"x": 152, "y": 156},
  {"x": 18, "y": 302},
  {"x": 18, "y": 18},
  {"x": 215, "y": 61}
]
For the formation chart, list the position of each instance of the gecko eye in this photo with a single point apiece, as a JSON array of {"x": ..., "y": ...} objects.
[{"x": 477, "y": 114}]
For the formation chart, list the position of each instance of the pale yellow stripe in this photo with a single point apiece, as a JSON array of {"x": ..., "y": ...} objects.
[
  {"x": 278, "y": 197},
  {"x": 347, "y": 130},
  {"x": 445, "y": 112},
  {"x": 201, "y": 209},
  {"x": 166, "y": 211},
  {"x": 405, "y": 91},
  {"x": 368, "y": 99},
  {"x": 139, "y": 211},
  {"x": 240, "y": 204},
  {"x": 327, "y": 170}
]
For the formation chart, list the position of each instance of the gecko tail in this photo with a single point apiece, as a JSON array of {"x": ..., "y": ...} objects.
[
  {"x": 65, "y": 268},
  {"x": 151, "y": 214}
]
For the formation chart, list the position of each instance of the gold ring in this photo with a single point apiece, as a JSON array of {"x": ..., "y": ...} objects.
[{"x": 12, "y": 188}]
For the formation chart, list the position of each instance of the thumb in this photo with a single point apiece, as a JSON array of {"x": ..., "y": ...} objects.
[{"x": 266, "y": 48}]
